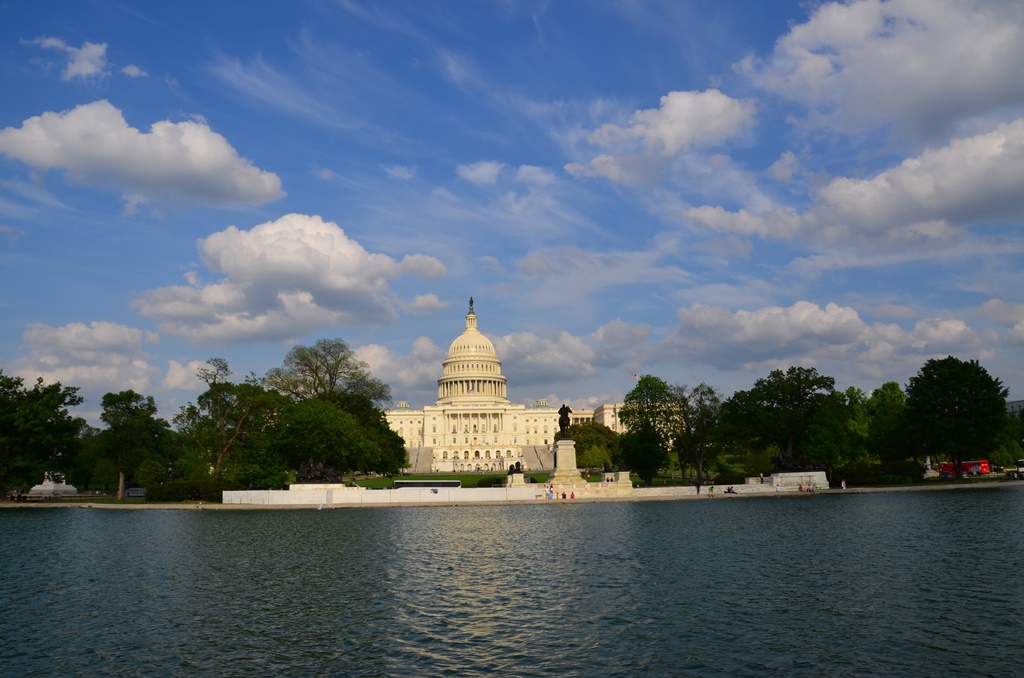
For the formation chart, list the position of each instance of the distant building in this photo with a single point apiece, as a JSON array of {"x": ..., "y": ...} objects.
[
  {"x": 1015, "y": 406},
  {"x": 473, "y": 426}
]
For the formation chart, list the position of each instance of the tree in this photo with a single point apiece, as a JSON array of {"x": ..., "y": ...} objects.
[
  {"x": 829, "y": 440},
  {"x": 328, "y": 370},
  {"x": 228, "y": 416},
  {"x": 597, "y": 446},
  {"x": 133, "y": 431},
  {"x": 37, "y": 433},
  {"x": 956, "y": 408},
  {"x": 778, "y": 409},
  {"x": 648, "y": 414},
  {"x": 696, "y": 438},
  {"x": 318, "y": 432},
  {"x": 887, "y": 433}
]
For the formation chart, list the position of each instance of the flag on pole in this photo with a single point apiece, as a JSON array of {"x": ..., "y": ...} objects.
[{"x": 634, "y": 377}]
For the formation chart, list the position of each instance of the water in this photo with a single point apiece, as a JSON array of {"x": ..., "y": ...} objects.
[{"x": 914, "y": 584}]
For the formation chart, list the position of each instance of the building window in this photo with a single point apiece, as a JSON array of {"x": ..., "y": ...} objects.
[{"x": 444, "y": 455}]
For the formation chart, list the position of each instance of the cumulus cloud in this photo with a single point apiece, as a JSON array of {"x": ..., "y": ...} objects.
[
  {"x": 87, "y": 61},
  {"x": 96, "y": 146},
  {"x": 652, "y": 137},
  {"x": 806, "y": 333},
  {"x": 415, "y": 372},
  {"x": 925, "y": 202},
  {"x": 1010, "y": 316},
  {"x": 924, "y": 65},
  {"x": 785, "y": 167},
  {"x": 184, "y": 376},
  {"x": 99, "y": 357},
  {"x": 280, "y": 280},
  {"x": 483, "y": 173},
  {"x": 424, "y": 303},
  {"x": 535, "y": 359}
]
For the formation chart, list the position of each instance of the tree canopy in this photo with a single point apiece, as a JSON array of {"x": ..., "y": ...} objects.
[
  {"x": 956, "y": 408},
  {"x": 648, "y": 413},
  {"x": 328, "y": 370},
  {"x": 133, "y": 432},
  {"x": 779, "y": 408},
  {"x": 37, "y": 433},
  {"x": 696, "y": 438}
]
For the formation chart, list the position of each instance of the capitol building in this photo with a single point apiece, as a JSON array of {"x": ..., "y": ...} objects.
[{"x": 473, "y": 426}]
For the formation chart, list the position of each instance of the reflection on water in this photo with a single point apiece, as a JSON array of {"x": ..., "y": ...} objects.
[{"x": 894, "y": 584}]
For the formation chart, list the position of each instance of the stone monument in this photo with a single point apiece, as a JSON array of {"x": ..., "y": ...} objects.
[
  {"x": 565, "y": 472},
  {"x": 53, "y": 486}
]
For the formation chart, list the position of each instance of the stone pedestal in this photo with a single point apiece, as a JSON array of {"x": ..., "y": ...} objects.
[
  {"x": 515, "y": 480},
  {"x": 566, "y": 472}
]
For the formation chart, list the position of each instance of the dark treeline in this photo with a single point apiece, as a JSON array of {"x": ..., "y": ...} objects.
[
  {"x": 319, "y": 416},
  {"x": 951, "y": 410},
  {"x": 316, "y": 417}
]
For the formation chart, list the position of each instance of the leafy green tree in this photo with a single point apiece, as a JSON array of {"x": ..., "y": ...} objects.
[
  {"x": 133, "y": 432},
  {"x": 597, "y": 446},
  {"x": 228, "y": 417},
  {"x": 956, "y": 408},
  {"x": 328, "y": 370},
  {"x": 829, "y": 438},
  {"x": 648, "y": 413},
  {"x": 778, "y": 409},
  {"x": 37, "y": 433},
  {"x": 315, "y": 431},
  {"x": 697, "y": 436},
  {"x": 887, "y": 432}
]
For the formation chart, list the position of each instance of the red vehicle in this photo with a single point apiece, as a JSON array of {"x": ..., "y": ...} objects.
[{"x": 976, "y": 467}]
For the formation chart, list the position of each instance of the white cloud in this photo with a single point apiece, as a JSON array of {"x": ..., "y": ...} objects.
[
  {"x": 184, "y": 377},
  {"x": 683, "y": 121},
  {"x": 1010, "y": 316},
  {"x": 806, "y": 333},
  {"x": 99, "y": 357},
  {"x": 416, "y": 371},
  {"x": 87, "y": 61},
  {"x": 94, "y": 143},
  {"x": 483, "y": 173},
  {"x": 425, "y": 303},
  {"x": 924, "y": 203},
  {"x": 785, "y": 167},
  {"x": 922, "y": 64},
  {"x": 133, "y": 71},
  {"x": 282, "y": 279},
  {"x": 536, "y": 360}
]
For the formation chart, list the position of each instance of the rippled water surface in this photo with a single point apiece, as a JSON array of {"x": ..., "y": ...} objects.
[{"x": 920, "y": 584}]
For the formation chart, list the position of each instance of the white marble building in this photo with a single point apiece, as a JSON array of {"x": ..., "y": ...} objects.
[{"x": 473, "y": 426}]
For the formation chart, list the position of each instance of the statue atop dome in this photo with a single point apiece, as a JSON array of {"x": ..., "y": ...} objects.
[{"x": 471, "y": 304}]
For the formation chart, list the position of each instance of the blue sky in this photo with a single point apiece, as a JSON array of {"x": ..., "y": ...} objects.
[{"x": 703, "y": 191}]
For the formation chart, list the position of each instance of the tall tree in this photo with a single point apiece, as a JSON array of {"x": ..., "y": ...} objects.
[
  {"x": 779, "y": 408},
  {"x": 328, "y": 370},
  {"x": 648, "y": 414},
  {"x": 227, "y": 416},
  {"x": 37, "y": 433},
  {"x": 133, "y": 431},
  {"x": 697, "y": 435},
  {"x": 956, "y": 408},
  {"x": 887, "y": 432}
]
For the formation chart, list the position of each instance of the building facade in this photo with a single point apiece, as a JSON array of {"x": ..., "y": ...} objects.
[{"x": 472, "y": 426}]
